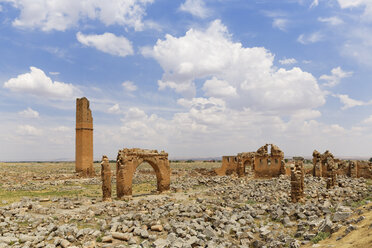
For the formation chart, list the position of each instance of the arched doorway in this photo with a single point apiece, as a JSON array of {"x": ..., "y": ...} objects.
[{"x": 127, "y": 163}]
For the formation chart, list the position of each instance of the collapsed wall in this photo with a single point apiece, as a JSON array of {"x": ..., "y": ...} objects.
[
  {"x": 261, "y": 163},
  {"x": 355, "y": 169}
]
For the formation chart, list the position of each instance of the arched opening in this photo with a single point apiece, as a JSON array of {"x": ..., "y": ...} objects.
[
  {"x": 249, "y": 167},
  {"x": 145, "y": 178},
  {"x": 127, "y": 163}
]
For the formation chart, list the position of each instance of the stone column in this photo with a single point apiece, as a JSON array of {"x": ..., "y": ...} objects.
[
  {"x": 84, "y": 138},
  {"x": 106, "y": 176}
]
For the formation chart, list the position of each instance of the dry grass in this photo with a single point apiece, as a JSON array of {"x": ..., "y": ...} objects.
[{"x": 19, "y": 180}]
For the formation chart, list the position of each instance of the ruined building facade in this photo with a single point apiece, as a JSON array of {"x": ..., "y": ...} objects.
[
  {"x": 261, "y": 163},
  {"x": 84, "y": 138}
]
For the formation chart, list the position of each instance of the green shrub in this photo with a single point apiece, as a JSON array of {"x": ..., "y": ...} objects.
[{"x": 320, "y": 236}]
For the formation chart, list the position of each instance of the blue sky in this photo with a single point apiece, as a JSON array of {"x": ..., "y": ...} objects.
[{"x": 196, "y": 78}]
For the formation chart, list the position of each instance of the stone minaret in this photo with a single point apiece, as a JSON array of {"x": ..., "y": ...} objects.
[{"x": 84, "y": 138}]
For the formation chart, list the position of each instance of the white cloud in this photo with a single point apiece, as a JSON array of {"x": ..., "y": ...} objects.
[
  {"x": 54, "y": 73},
  {"x": 195, "y": 7},
  {"x": 336, "y": 75},
  {"x": 29, "y": 113},
  {"x": 28, "y": 130},
  {"x": 108, "y": 43},
  {"x": 210, "y": 53},
  {"x": 129, "y": 86},
  {"x": 311, "y": 38},
  {"x": 288, "y": 61},
  {"x": 62, "y": 129},
  {"x": 63, "y": 14},
  {"x": 358, "y": 45},
  {"x": 115, "y": 109},
  {"x": 218, "y": 88},
  {"x": 280, "y": 23},
  {"x": 367, "y": 4},
  {"x": 334, "y": 20},
  {"x": 349, "y": 102},
  {"x": 38, "y": 84},
  {"x": 368, "y": 120},
  {"x": 315, "y": 3}
]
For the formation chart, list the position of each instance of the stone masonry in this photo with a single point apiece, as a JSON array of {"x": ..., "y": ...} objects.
[
  {"x": 84, "y": 138},
  {"x": 106, "y": 176},
  {"x": 129, "y": 159},
  {"x": 297, "y": 181}
]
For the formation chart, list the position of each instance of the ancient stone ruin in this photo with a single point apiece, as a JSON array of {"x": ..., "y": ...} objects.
[
  {"x": 236, "y": 164},
  {"x": 320, "y": 163},
  {"x": 354, "y": 169},
  {"x": 331, "y": 173},
  {"x": 268, "y": 165},
  {"x": 297, "y": 181},
  {"x": 129, "y": 159},
  {"x": 106, "y": 176},
  {"x": 84, "y": 138},
  {"x": 262, "y": 163}
]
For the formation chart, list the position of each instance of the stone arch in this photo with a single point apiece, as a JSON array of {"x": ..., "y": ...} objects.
[{"x": 129, "y": 159}]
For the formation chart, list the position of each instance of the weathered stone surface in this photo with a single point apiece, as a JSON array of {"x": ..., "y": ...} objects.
[
  {"x": 129, "y": 159},
  {"x": 261, "y": 163},
  {"x": 106, "y": 176},
  {"x": 84, "y": 138}
]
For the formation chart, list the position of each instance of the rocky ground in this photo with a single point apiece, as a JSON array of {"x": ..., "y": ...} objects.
[{"x": 58, "y": 209}]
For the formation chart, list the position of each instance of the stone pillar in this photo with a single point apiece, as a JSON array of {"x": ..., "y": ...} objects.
[
  {"x": 297, "y": 182},
  {"x": 84, "y": 138},
  {"x": 331, "y": 173},
  {"x": 106, "y": 176}
]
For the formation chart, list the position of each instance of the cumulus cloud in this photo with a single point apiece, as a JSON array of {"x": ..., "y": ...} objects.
[
  {"x": 310, "y": 38},
  {"x": 349, "y": 102},
  {"x": 115, "y": 109},
  {"x": 129, "y": 86},
  {"x": 211, "y": 55},
  {"x": 218, "y": 88},
  {"x": 108, "y": 43},
  {"x": 366, "y": 4},
  {"x": 38, "y": 84},
  {"x": 29, "y": 113},
  {"x": 28, "y": 130},
  {"x": 336, "y": 75},
  {"x": 195, "y": 7},
  {"x": 333, "y": 21},
  {"x": 289, "y": 61},
  {"x": 280, "y": 23},
  {"x": 63, "y": 14}
]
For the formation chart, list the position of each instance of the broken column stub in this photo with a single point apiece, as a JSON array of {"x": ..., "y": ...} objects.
[
  {"x": 297, "y": 182},
  {"x": 84, "y": 138},
  {"x": 106, "y": 176}
]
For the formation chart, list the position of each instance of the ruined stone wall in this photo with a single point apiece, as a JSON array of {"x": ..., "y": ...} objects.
[
  {"x": 364, "y": 169},
  {"x": 229, "y": 166},
  {"x": 320, "y": 168},
  {"x": 268, "y": 165},
  {"x": 84, "y": 138},
  {"x": 260, "y": 163}
]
